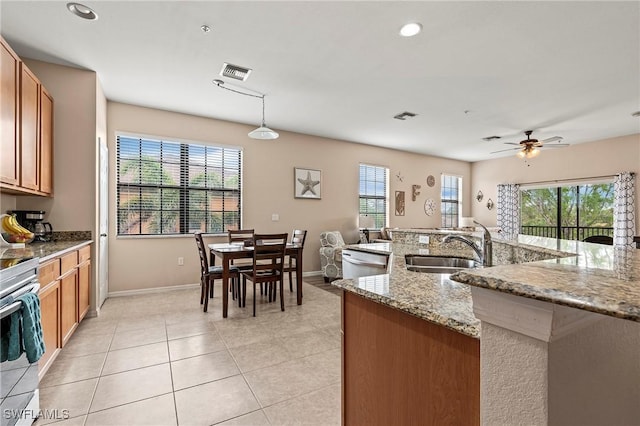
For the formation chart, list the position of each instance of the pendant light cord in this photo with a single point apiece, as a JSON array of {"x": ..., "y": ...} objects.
[{"x": 220, "y": 84}]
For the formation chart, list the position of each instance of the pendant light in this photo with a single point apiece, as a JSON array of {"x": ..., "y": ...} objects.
[{"x": 263, "y": 132}]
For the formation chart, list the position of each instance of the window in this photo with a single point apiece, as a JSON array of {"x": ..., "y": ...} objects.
[
  {"x": 167, "y": 188},
  {"x": 568, "y": 212},
  {"x": 450, "y": 192},
  {"x": 373, "y": 193}
]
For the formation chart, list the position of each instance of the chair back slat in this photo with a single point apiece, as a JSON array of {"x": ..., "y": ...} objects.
[
  {"x": 268, "y": 256},
  {"x": 298, "y": 236},
  {"x": 204, "y": 263},
  {"x": 240, "y": 235}
]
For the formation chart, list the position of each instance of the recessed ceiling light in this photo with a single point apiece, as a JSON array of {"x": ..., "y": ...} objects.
[
  {"x": 410, "y": 29},
  {"x": 82, "y": 11},
  {"x": 636, "y": 114}
]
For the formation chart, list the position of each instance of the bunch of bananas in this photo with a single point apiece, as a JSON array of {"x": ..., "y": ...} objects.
[
  {"x": 16, "y": 233},
  {"x": 5, "y": 263}
]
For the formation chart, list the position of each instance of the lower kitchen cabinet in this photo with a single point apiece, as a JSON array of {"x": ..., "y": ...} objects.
[
  {"x": 64, "y": 299},
  {"x": 50, "y": 318},
  {"x": 68, "y": 305},
  {"x": 84, "y": 281}
]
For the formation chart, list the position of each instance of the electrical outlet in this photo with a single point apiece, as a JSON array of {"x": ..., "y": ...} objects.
[
  {"x": 181, "y": 261},
  {"x": 275, "y": 217},
  {"x": 423, "y": 239}
]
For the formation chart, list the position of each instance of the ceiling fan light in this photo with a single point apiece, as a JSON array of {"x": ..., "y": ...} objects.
[
  {"x": 521, "y": 154},
  {"x": 533, "y": 153},
  {"x": 264, "y": 133}
]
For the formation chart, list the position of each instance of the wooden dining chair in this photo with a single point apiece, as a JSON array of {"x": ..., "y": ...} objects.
[
  {"x": 298, "y": 236},
  {"x": 268, "y": 263},
  {"x": 208, "y": 274},
  {"x": 237, "y": 236}
]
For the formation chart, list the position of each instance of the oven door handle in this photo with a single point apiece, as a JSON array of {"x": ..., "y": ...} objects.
[{"x": 8, "y": 310}]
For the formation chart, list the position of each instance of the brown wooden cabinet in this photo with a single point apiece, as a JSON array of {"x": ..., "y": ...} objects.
[
  {"x": 68, "y": 295},
  {"x": 400, "y": 369},
  {"x": 29, "y": 129},
  {"x": 50, "y": 310},
  {"x": 46, "y": 142},
  {"x": 84, "y": 281},
  {"x": 10, "y": 78},
  {"x": 64, "y": 299},
  {"x": 26, "y": 110}
]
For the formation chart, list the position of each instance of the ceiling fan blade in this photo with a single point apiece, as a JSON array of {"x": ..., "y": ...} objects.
[
  {"x": 512, "y": 143},
  {"x": 556, "y": 145},
  {"x": 552, "y": 139},
  {"x": 503, "y": 150}
]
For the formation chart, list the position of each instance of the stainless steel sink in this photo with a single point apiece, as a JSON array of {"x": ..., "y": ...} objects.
[{"x": 438, "y": 264}]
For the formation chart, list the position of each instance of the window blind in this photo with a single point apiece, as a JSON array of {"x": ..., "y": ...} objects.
[
  {"x": 451, "y": 191},
  {"x": 167, "y": 187},
  {"x": 373, "y": 193}
]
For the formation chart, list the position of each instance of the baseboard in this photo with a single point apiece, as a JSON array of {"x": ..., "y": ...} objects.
[
  {"x": 152, "y": 290},
  {"x": 177, "y": 287}
]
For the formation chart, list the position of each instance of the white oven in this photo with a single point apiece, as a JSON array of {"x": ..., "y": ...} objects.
[{"x": 20, "y": 403}]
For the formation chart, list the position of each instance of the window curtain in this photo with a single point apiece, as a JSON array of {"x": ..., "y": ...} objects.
[
  {"x": 509, "y": 210},
  {"x": 624, "y": 205}
]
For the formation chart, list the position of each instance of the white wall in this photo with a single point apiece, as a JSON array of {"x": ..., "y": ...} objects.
[
  {"x": 267, "y": 188},
  {"x": 600, "y": 158}
]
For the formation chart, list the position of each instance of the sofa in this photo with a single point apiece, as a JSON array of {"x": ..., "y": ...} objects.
[{"x": 331, "y": 244}]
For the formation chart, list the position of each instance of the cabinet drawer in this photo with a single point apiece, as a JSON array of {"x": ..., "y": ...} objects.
[
  {"x": 68, "y": 262},
  {"x": 49, "y": 272},
  {"x": 84, "y": 254}
]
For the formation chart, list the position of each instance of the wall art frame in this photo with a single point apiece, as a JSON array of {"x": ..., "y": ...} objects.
[
  {"x": 399, "y": 202},
  {"x": 307, "y": 183}
]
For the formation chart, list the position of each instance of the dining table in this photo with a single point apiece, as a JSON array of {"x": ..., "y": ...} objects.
[{"x": 227, "y": 252}]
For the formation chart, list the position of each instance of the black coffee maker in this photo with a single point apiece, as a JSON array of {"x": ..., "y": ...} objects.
[{"x": 33, "y": 221}]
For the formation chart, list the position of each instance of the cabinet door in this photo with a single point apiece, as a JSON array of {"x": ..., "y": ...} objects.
[
  {"x": 84, "y": 285},
  {"x": 9, "y": 69},
  {"x": 46, "y": 142},
  {"x": 50, "y": 318},
  {"x": 68, "y": 305},
  {"x": 29, "y": 123}
]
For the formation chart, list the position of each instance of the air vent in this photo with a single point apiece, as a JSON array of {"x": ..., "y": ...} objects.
[
  {"x": 491, "y": 138},
  {"x": 404, "y": 115},
  {"x": 234, "y": 71}
]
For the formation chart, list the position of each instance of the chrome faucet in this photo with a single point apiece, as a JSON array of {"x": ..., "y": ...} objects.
[{"x": 485, "y": 254}]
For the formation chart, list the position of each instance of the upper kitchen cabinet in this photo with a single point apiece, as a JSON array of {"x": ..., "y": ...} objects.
[
  {"x": 10, "y": 76},
  {"x": 27, "y": 129}
]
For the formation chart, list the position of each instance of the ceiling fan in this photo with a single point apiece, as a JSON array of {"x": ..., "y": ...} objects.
[{"x": 530, "y": 148}]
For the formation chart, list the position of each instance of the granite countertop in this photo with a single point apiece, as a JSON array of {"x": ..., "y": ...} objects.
[
  {"x": 586, "y": 276},
  {"x": 44, "y": 251},
  {"x": 599, "y": 278},
  {"x": 433, "y": 297}
]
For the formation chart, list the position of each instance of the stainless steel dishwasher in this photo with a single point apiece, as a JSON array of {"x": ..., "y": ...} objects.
[{"x": 356, "y": 263}]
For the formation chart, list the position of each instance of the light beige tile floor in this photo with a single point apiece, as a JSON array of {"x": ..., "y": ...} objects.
[{"x": 157, "y": 359}]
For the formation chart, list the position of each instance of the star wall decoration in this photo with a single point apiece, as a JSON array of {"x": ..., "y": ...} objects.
[{"x": 308, "y": 184}]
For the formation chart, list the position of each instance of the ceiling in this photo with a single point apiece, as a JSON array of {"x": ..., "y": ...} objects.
[{"x": 340, "y": 69}]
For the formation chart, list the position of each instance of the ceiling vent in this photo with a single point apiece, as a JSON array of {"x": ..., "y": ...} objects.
[
  {"x": 404, "y": 115},
  {"x": 236, "y": 72},
  {"x": 491, "y": 138}
]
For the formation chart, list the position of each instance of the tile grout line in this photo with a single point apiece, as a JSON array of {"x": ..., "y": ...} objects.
[{"x": 173, "y": 386}]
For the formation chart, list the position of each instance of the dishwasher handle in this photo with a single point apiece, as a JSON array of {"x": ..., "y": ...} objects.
[{"x": 362, "y": 262}]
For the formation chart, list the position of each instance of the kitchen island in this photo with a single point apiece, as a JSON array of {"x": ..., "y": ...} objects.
[{"x": 438, "y": 300}]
